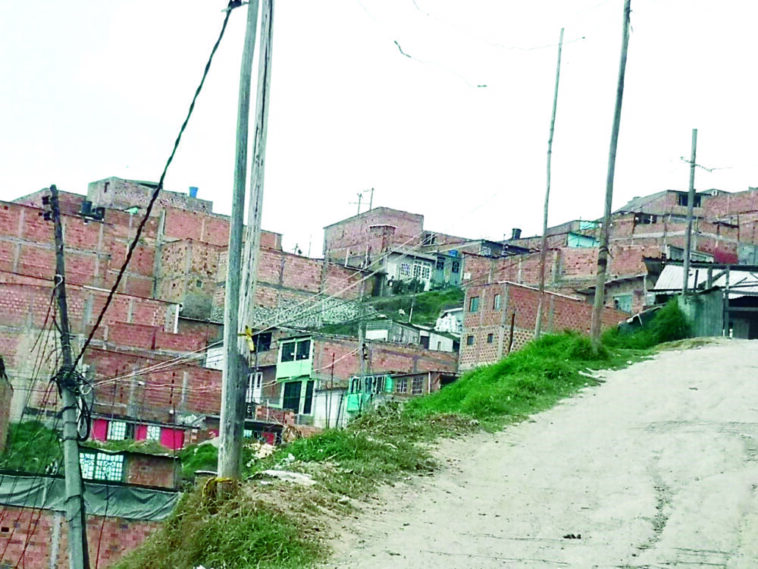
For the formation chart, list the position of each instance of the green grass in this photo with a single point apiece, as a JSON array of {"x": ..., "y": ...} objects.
[
  {"x": 198, "y": 457},
  {"x": 426, "y": 309},
  {"x": 526, "y": 382},
  {"x": 240, "y": 532},
  {"x": 145, "y": 447},
  {"x": 668, "y": 325},
  {"x": 281, "y": 526},
  {"x": 31, "y": 447},
  {"x": 426, "y": 305}
]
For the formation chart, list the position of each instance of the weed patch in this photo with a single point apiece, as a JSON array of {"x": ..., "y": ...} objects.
[
  {"x": 32, "y": 447},
  {"x": 241, "y": 532}
]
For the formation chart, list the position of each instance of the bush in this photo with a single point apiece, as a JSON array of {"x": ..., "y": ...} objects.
[{"x": 668, "y": 324}]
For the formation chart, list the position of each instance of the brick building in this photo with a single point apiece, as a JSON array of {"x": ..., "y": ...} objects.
[
  {"x": 653, "y": 226},
  {"x": 313, "y": 371},
  {"x": 34, "y": 532},
  {"x": 500, "y": 317}
]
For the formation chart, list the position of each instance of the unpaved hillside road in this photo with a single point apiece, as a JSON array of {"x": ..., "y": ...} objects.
[{"x": 656, "y": 468}]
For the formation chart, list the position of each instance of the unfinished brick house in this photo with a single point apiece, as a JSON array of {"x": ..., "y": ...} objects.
[
  {"x": 313, "y": 371},
  {"x": 500, "y": 316},
  {"x": 395, "y": 245},
  {"x": 146, "y": 362},
  {"x": 34, "y": 532},
  {"x": 652, "y": 226}
]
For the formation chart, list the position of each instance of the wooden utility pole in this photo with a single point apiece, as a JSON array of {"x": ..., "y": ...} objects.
[
  {"x": 543, "y": 246},
  {"x": 690, "y": 205},
  {"x": 360, "y": 198},
  {"x": 68, "y": 383},
  {"x": 362, "y": 349},
  {"x": 255, "y": 204},
  {"x": 602, "y": 255},
  {"x": 233, "y": 380}
]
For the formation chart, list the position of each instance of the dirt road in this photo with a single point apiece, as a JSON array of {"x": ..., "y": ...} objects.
[{"x": 657, "y": 468}]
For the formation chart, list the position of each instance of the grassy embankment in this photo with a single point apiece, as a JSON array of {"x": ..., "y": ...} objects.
[{"x": 277, "y": 525}]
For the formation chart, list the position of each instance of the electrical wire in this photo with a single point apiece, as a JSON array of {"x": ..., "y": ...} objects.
[{"x": 159, "y": 186}]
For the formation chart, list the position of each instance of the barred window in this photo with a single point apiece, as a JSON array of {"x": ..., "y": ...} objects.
[
  {"x": 418, "y": 386},
  {"x": 87, "y": 463},
  {"x": 116, "y": 431},
  {"x": 109, "y": 467},
  {"x": 153, "y": 433},
  {"x": 102, "y": 466},
  {"x": 402, "y": 385}
]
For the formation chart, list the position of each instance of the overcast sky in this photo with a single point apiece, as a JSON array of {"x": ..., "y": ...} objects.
[{"x": 442, "y": 106}]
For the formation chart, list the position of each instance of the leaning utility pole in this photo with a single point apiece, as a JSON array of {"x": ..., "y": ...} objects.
[
  {"x": 602, "y": 255},
  {"x": 233, "y": 384},
  {"x": 543, "y": 246},
  {"x": 690, "y": 205},
  {"x": 68, "y": 384}
]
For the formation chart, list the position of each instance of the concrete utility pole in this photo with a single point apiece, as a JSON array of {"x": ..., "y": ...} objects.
[
  {"x": 233, "y": 384},
  {"x": 690, "y": 205},
  {"x": 78, "y": 555},
  {"x": 602, "y": 255},
  {"x": 543, "y": 246}
]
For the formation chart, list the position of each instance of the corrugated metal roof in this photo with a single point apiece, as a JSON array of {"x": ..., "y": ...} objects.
[{"x": 740, "y": 282}]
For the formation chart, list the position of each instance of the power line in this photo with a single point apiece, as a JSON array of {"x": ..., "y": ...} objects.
[{"x": 159, "y": 187}]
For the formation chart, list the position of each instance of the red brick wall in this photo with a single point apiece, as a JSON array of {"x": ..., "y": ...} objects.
[
  {"x": 560, "y": 313},
  {"x": 94, "y": 250},
  {"x": 33, "y": 530},
  {"x": 70, "y": 203},
  {"x": 355, "y": 232},
  {"x": 147, "y": 470},
  {"x": 121, "y": 194},
  {"x": 730, "y": 204},
  {"x": 126, "y": 386},
  {"x": 382, "y": 357}
]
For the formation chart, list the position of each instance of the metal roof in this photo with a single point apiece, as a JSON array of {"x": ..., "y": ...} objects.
[{"x": 741, "y": 282}]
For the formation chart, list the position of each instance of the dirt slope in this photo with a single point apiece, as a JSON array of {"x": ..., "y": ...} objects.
[{"x": 657, "y": 467}]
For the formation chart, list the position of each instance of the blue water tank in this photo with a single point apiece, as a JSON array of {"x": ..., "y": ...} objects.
[
  {"x": 453, "y": 252},
  {"x": 193, "y": 191}
]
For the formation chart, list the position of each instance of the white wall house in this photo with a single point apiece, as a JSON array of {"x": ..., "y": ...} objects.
[
  {"x": 450, "y": 321},
  {"x": 404, "y": 266}
]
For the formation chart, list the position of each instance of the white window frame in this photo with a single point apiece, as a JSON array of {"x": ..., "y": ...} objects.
[
  {"x": 153, "y": 433},
  {"x": 116, "y": 431}
]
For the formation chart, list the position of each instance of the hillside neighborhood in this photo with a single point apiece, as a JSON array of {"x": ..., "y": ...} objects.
[{"x": 153, "y": 368}]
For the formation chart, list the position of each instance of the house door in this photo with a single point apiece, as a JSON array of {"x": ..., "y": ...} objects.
[{"x": 291, "y": 399}]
